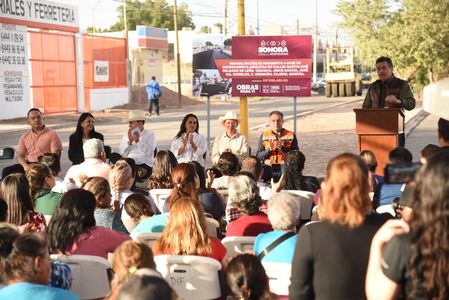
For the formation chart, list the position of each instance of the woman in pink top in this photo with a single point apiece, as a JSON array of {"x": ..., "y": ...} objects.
[{"x": 72, "y": 227}]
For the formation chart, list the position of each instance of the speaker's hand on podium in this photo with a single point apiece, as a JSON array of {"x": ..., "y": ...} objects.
[{"x": 391, "y": 100}]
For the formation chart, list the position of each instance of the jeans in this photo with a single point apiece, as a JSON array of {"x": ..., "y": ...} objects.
[{"x": 156, "y": 102}]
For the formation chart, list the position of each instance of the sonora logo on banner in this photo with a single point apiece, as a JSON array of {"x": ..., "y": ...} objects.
[
  {"x": 247, "y": 88},
  {"x": 272, "y": 47}
]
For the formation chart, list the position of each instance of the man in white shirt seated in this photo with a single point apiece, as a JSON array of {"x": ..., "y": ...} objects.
[
  {"x": 94, "y": 164},
  {"x": 231, "y": 140},
  {"x": 139, "y": 144}
]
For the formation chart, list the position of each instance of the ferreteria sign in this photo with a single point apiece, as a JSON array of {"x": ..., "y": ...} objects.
[
  {"x": 269, "y": 65},
  {"x": 40, "y": 13}
]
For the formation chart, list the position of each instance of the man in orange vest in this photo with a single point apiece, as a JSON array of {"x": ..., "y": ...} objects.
[{"x": 275, "y": 142}]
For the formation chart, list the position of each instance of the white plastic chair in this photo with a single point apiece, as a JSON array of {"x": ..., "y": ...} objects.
[
  {"x": 148, "y": 238},
  {"x": 47, "y": 219},
  {"x": 238, "y": 244},
  {"x": 387, "y": 208},
  {"x": 159, "y": 196},
  {"x": 279, "y": 276},
  {"x": 129, "y": 223},
  {"x": 90, "y": 277},
  {"x": 192, "y": 277},
  {"x": 212, "y": 226},
  {"x": 305, "y": 202}
]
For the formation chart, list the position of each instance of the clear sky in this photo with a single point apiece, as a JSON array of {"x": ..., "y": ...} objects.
[{"x": 273, "y": 14}]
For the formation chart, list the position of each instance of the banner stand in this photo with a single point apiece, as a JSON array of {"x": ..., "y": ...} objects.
[{"x": 294, "y": 116}]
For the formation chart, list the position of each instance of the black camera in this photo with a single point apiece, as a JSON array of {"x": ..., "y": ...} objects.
[
  {"x": 400, "y": 173},
  {"x": 276, "y": 172}
]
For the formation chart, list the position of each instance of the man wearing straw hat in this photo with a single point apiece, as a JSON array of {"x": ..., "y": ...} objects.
[
  {"x": 139, "y": 143},
  {"x": 231, "y": 140}
]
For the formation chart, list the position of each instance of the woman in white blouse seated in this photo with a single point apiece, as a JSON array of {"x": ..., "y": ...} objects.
[
  {"x": 231, "y": 140},
  {"x": 188, "y": 144}
]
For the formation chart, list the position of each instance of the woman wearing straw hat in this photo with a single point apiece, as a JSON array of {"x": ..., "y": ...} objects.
[{"x": 231, "y": 140}]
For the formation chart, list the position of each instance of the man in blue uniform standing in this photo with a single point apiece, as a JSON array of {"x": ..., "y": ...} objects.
[{"x": 154, "y": 92}]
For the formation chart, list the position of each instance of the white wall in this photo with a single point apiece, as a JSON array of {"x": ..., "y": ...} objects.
[{"x": 106, "y": 98}]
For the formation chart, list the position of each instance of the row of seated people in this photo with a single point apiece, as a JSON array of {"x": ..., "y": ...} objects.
[{"x": 321, "y": 247}]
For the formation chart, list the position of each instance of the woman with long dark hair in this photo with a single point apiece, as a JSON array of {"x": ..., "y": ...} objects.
[
  {"x": 331, "y": 256},
  {"x": 188, "y": 144},
  {"x": 415, "y": 264},
  {"x": 164, "y": 163},
  {"x": 246, "y": 278},
  {"x": 20, "y": 212},
  {"x": 72, "y": 227},
  {"x": 84, "y": 130},
  {"x": 293, "y": 177}
]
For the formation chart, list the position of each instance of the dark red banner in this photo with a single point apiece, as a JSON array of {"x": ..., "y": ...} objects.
[{"x": 269, "y": 66}]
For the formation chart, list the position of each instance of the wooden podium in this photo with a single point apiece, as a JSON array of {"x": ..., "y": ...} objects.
[{"x": 378, "y": 131}]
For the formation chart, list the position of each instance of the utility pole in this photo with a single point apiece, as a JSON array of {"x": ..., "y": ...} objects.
[
  {"x": 225, "y": 21},
  {"x": 315, "y": 42},
  {"x": 178, "y": 60},
  {"x": 243, "y": 100},
  {"x": 128, "y": 62},
  {"x": 297, "y": 26},
  {"x": 258, "y": 26}
]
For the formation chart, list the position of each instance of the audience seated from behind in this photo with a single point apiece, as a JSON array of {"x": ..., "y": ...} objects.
[
  {"x": 3, "y": 210},
  {"x": 94, "y": 164},
  {"x": 128, "y": 258},
  {"x": 142, "y": 214},
  {"x": 443, "y": 134},
  {"x": 407, "y": 203},
  {"x": 25, "y": 267},
  {"x": 145, "y": 284},
  {"x": 326, "y": 263},
  {"x": 53, "y": 162},
  {"x": 104, "y": 215},
  {"x": 410, "y": 262},
  {"x": 284, "y": 214},
  {"x": 293, "y": 177},
  {"x": 20, "y": 208},
  {"x": 370, "y": 160},
  {"x": 228, "y": 165},
  {"x": 252, "y": 164},
  {"x": 164, "y": 163},
  {"x": 386, "y": 193},
  {"x": 72, "y": 227},
  {"x": 41, "y": 181},
  {"x": 244, "y": 196},
  {"x": 185, "y": 232},
  {"x": 209, "y": 198},
  {"x": 121, "y": 180},
  {"x": 246, "y": 278}
]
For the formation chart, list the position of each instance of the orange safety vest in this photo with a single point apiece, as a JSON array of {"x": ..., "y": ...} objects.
[{"x": 270, "y": 141}]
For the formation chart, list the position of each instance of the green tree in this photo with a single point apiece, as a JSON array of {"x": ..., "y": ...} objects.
[
  {"x": 205, "y": 29},
  {"x": 219, "y": 26},
  {"x": 156, "y": 13},
  {"x": 411, "y": 32}
]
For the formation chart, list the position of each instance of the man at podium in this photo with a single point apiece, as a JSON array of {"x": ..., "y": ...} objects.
[{"x": 389, "y": 91}]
